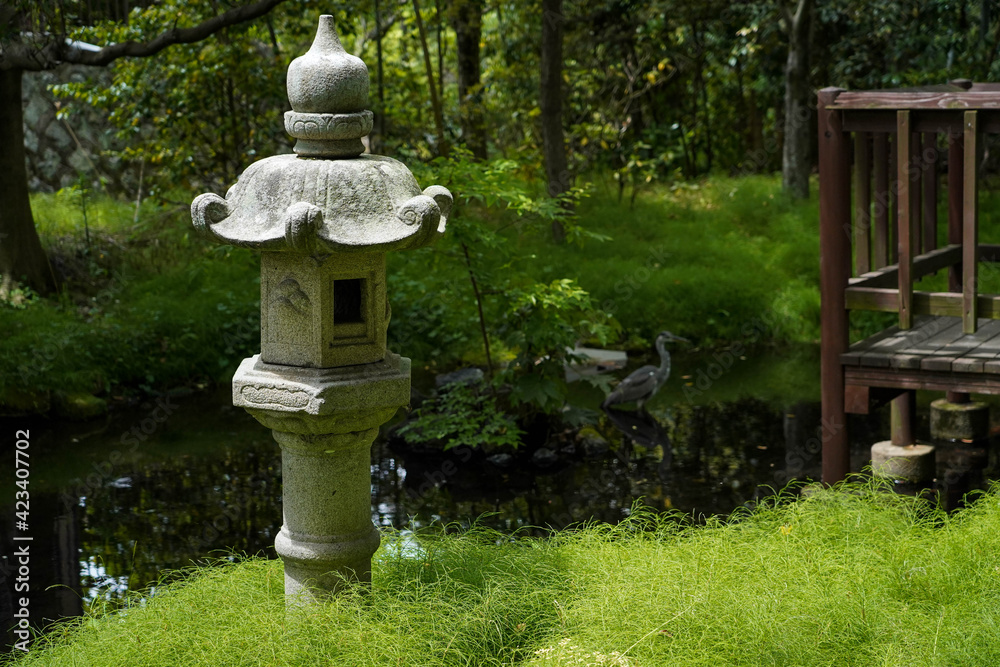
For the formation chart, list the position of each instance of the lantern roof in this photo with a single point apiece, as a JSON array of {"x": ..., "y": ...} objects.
[{"x": 327, "y": 196}]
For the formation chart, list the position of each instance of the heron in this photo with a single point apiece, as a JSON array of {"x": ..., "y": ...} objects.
[{"x": 642, "y": 384}]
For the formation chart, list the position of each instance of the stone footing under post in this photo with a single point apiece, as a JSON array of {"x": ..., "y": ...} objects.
[
  {"x": 959, "y": 421},
  {"x": 911, "y": 463}
]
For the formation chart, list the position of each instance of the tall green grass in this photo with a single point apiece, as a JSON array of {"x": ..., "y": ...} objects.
[
  {"x": 706, "y": 260},
  {"x": 148, "y": 305},
  {"x": 855, "y": 576}
]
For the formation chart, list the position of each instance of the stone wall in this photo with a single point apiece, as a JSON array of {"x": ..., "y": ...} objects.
[{"x": 60, "y": 150}]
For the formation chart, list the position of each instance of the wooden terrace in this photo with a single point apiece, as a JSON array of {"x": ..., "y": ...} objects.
[{"x": 884, "y": 157}]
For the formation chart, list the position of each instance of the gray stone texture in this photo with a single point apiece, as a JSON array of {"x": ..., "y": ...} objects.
[
  {"x": 959, "y": 421},
  {"x": 59, "y": 150},
  {"x": 303, "y": 322},
  {"x": 288, "y": 203},
  {"x": 912, "y": 463},
  {"x": 324, "y": 381}
]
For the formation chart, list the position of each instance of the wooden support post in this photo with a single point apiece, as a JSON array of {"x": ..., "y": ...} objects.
[
  {"x": 835, "y": 258},
  {"x": 902, "y": 416},
  {"x": 956, "y": 189},
  {"x": 970, "y": 225},
  {"x": 893, "y": 196},
  {"x": 862, "y": 203},
  {"x": 904, "y": 224},
  {"x": 958, "y": 397},
  {"x": 929, "y": 190},
  {"x": 880, "y": 154}
]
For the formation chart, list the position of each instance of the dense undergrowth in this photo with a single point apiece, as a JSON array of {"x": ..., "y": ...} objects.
[
  {"x": 853, "y": 576},
  {"x": 147, "y": 305}
]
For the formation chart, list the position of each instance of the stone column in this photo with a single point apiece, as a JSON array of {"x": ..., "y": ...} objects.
[{"x": 325, "y": 421}]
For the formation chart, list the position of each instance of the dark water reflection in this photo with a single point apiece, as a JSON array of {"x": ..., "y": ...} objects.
[{"x": 110, "y": 513}]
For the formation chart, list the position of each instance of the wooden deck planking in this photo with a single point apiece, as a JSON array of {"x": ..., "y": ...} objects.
[{"x": 934, "y": 344}]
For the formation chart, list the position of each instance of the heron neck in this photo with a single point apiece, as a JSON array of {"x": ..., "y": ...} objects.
[{"x": 664, "y": 359}]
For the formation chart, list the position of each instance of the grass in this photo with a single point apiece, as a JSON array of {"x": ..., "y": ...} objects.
[
  {"x": 852, "y": 576},
  {"x": 145, "y": 305},
  {"x": 707, "y": 260}
]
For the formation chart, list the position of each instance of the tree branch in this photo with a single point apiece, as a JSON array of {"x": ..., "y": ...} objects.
[{"x": 35, "y": 56}]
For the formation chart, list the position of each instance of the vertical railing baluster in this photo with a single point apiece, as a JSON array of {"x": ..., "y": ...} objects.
[
  {"x": 970, "y": 224},
  {"x": 893, "y": 197},
  {"x": 929, "y": 164},
  {"x": 862, "y": 203},
  {"x": 904, "y": 223},
  {"x": 880, "y": 155},
  {"x": 956, "y": 190}
]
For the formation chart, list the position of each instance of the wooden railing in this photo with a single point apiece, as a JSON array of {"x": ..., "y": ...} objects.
[{"x": 875, "y": 245}]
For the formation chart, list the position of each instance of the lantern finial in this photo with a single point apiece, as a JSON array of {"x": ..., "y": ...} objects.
[{"x": 328, "y": 91}]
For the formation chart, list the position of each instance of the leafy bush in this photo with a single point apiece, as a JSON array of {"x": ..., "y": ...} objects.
[{"x": 463, "y": 415}]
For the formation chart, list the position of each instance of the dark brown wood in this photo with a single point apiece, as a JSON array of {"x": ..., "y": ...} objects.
[
  {"x": 904, "y": 410},
  {"x": 884, "y": 120},
  {"x": 872, "y": 99},
  {"x": 923, "y": 265},
  {"x": 970, "y": 225},
  {"x": 880, "y": 157},
  {"x": 986, "y": 382},
  {"x": 862, "y": 400},
  {"x": 956, "y": 171},
  {"x": 893, "y": 198},
  {"x": 929, "y": 191},
  {"x": 904, "y": 225},
  {"x": 949, "y": 304},
  {"x": 22, "y": 256},
  {"x": 862, "y": 203},
  {"x": 944, "y": 341},
  {"x": 835, "y": 255}
]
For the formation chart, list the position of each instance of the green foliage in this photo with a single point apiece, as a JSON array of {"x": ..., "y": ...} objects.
[
  {"x": 196, "y": 114},
  {"x": 543, "y": 323},
  {"x": 463, "y": 415},
  {"x": 709, "y": 261},
  {"x": 154, "y": 313},
  {"x": 852, "y": 576},
  {"x": 535, "y": 321}
]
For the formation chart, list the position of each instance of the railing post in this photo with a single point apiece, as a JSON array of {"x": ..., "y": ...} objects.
[
  {"x": 970, "y": 225},
  {"x": 883, "y": 198},
  {"x": 956, "y": 169},
  {"x": 929, "y": 164},
  {"x": 835, "y": 257},
  {"x": 862, "y": 203},
  {"x": 904, "y": 223}
]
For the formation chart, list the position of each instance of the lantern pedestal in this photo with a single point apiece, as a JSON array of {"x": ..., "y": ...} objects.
[{"x": 325, "y": 420}]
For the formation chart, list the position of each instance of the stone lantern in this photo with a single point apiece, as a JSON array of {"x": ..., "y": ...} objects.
[{"x": 324, "y": 382}]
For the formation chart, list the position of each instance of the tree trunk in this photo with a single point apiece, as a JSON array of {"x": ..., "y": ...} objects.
[
  {"x": 435, "y": 100},
  {"x": 468, "y": 26},
  {"x": 379, "y": 140},
  {"x": 550, "y": 103},
  {"x": 795, "y": 157},
  {"x": 21, "y": 255}
]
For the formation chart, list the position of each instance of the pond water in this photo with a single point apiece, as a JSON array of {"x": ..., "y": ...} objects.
[{"x": 118, "y": 502}]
